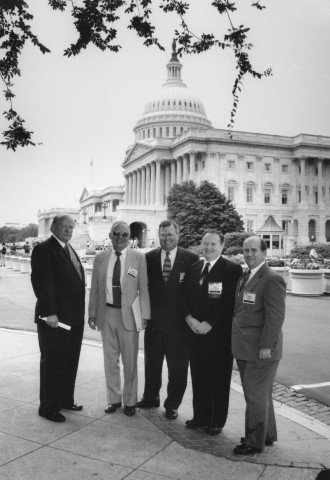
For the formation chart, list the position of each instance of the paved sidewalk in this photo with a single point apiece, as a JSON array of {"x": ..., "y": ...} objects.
[{"x": 91, "y": 444}]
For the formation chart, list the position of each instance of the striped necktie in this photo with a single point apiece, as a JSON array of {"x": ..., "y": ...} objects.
[
  {"x": 167, "y": 267},
  {"x": 69, "y": 251},
  {"x": 244, "y": 279}
]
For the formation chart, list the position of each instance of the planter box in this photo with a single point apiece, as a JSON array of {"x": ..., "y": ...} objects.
[
  {"x": 25, "y": 265},
  {"x": 88, "y": 274},
  {"x": 307, "y": 282},
  {"x": 15, "y": 264},
  {"x": 326, "y": 281}
]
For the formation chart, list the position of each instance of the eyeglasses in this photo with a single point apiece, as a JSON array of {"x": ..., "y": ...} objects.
[
  {"x": 166, "y": 235},
  {"x": 120, "y": 234}
]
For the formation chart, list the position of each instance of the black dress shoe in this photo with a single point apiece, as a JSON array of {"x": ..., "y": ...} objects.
[
  {"x": 112, "y": 407},
  {"x": 53, "y": 416},
  {"x": 74, "y": 407},
  {"x": 194, "y": 424},
  {"x": 243, "y": 449},
  {"x": 214, "y": 430},
  {"x": 130, "y": 411},
  {"x": 144, "y": 403},
  {"x": 171, "y": 413}
]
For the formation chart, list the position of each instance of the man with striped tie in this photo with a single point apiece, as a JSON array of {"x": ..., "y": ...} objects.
[
  {"x": 59, "y": 285},
  {"x": 166, "y": 333},
  {"x": 208, "y": 302}
]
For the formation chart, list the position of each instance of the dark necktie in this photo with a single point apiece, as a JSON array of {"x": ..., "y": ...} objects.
[
  {"x": 204, "y": 273},
  {"x": 73, "y": 259},
  {"x": 244, "y": 279},
  {"x": 116, "y": 290},
  {"x": 167, "y": 267}
]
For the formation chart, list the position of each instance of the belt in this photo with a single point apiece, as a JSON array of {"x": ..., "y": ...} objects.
[{"x": 112, "y": 306}]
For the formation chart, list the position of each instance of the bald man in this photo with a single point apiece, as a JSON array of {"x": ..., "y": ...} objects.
[{"x": 58, "y": 282}]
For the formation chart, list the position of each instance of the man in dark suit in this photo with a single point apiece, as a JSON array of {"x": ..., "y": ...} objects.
[
  {"x": 166, "y": 333},
  {"x": 257, "y": 342},
  {"x": 59, "y": 285},
  {"x": 208, "y": 300}
]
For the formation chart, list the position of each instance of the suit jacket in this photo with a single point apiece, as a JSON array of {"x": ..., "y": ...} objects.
[
  {"x": 218, "y": 312},
  {"x": 166, "y": 310},
  {"x": 130, "y": 288},
  {"x": 56, "y": 283},
  {"x": 259, "y": 324}
]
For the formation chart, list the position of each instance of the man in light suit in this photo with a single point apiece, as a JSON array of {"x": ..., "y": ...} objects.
[
  {"x": 119, "y": 277},
  {"x": 166, "y": 333},
  {"x": 58, "y": 282},
  {"x": 257, "y": 343},
  {"x": 208, "y": 302}
]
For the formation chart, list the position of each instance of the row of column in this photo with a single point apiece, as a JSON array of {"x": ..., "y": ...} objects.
[{"x": 150, "y": 184}]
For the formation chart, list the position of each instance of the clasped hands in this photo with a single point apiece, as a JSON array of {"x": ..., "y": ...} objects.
[
  {"x": 201, "y": 328},
  {"x": 265, "y": 353}
]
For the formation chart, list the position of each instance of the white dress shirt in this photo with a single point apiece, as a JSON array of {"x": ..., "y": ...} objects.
[{"x": 111, "y": 264}]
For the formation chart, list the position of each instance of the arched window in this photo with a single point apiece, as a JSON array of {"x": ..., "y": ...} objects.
[
  {"x": 154, "y": 132},
  {"x": 167, "y": 131},
  {"x": 312, "y": 230},
  {"x": 327, "y": 230},
  {"x": 174, "y": 131}
]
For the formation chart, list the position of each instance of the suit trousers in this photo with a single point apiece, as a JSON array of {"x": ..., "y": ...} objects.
[
  {"x": 117, "y": 341},
  {"x": 59, "y": 358},
  {"x": 257, "y": 382},
  {"x": 174, "y": 347},
  {"x": 211, "y": 367}
]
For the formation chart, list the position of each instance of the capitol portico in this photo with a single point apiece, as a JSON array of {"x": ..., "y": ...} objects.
[{"x": 286, "y": 177}]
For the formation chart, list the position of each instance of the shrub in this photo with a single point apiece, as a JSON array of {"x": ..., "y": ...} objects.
[{"x": 275, "y": 262}]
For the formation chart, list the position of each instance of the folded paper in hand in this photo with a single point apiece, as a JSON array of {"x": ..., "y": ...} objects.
[
  {"x": 139, "y": 323},
  {"x": 60, "y": 324}
]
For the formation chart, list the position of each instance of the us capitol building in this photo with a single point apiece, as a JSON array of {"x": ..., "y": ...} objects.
[{"x": 285, "y": 177}]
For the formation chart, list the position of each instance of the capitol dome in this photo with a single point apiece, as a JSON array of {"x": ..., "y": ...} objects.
[{"x": 173, "y": 110}]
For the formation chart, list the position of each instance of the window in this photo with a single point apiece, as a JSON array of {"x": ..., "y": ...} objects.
[
  {"x": 153, "y": 132},
  {"x": 203, "y": 164},
  {"x": 160, "y": 131},
  {"x": 144, "y": 134},
  {"x": 167, "y": 131},
  {"x": 267, "y": 195},
  {"x": 196, "y": 167},
  {"x": 284, "y": 197},
  {"x": 249, "y": 165},
  {"x": 181, "y": 129},
  {"x": 148, "y": 132},
  {"x": 299, "y": 195},
  {"x": 316, "y": 197},
  {"x": 231, "y": 164},
  {"x": 249, "y": 226},
  {"x": 268, "y": 167},
  {"x": 231, "y": 193},
  {"x": 249, "y": 194},
  {"x": 174, "y": 131},
  {"x": 299, "y": 168},
  {"x": 316, "y": 170},
  {"x": 285, "y": 168}
]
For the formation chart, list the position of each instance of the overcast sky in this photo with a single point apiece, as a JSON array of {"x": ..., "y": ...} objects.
[{"x": 86, "y": 107}]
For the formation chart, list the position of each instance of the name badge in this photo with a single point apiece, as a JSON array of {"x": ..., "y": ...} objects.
[
  {"x": 182, "y": 275},
  {"x": 215, "y": 290},
  {"x": 132, "y": 272},
  {"x": 249, "y": 297}
]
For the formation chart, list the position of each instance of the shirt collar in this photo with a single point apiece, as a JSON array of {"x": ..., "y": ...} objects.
[
  {"x": 255, "y": 269},
  {"x": 172, "y": 252},
  {"x": 211, "y": 262},
  {"x": 59, "y": 241},
  {"x": 123, "y": 253}
]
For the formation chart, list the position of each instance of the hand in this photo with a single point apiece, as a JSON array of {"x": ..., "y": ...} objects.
[
  {"x": 92, "y": 322},
  {"x": 52, "y": 321},
  {"x": 265, "y": 353},
  {"x": 204, "y": 328},
  {"x": 193, "y": 323}
]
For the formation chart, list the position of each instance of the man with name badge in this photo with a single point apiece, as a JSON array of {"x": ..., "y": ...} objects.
[
  {"x": 166, "y": 333},
  {"x": 257, "y": 342},
  {"x": 119, "y": 307},
  {"x": 208, "y": 302}
]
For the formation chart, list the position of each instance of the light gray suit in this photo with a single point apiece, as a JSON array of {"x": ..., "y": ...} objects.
[
  {"x": 117, "y": 326},
  {"x": 259, "y": 325}
]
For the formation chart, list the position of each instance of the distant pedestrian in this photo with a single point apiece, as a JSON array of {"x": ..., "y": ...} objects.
[
  {"x": 27, "y": 248},
  {"x": 2, "y": 254}
]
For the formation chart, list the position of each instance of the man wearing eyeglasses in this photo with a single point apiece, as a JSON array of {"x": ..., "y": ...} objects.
[
  {"x": 119, "y": 284},
  {"x": 166, "y": 333}
]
